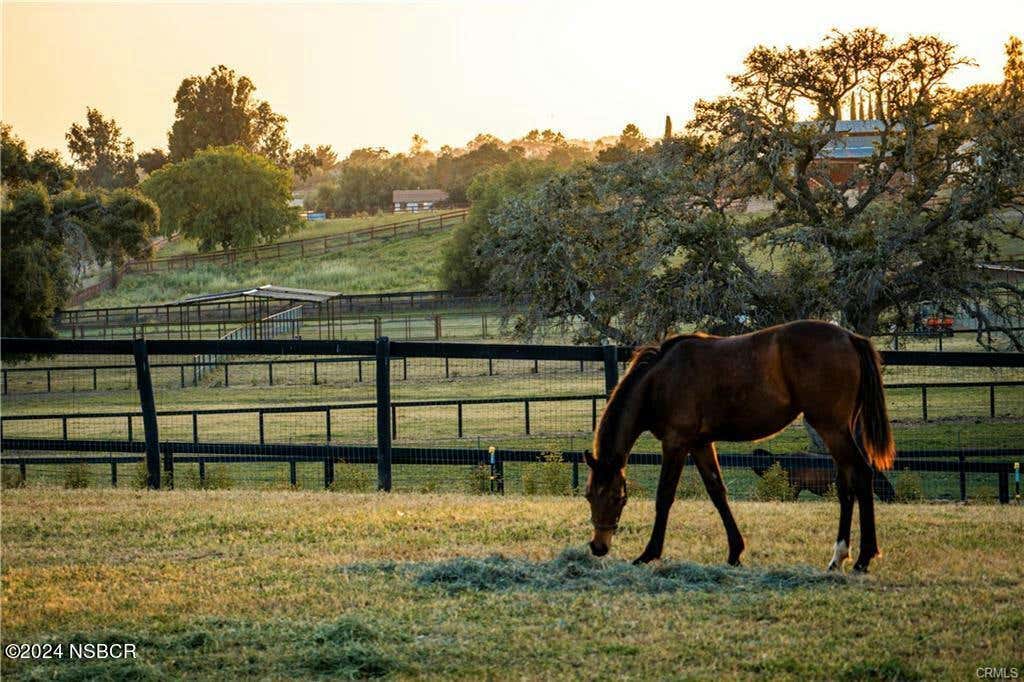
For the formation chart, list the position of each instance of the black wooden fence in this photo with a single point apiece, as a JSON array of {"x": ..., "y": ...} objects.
[{"x": 160, "y": 456}]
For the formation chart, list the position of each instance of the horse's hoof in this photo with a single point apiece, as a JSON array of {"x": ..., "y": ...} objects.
[
  {"x": 833, "y": 566},
  {"x": 644, "y": 559},
  {"x": 735, "y": 562},
  {"x": 858, "y": 568}
]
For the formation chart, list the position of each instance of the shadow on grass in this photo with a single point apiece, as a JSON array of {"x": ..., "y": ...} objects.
[{"x": 576, "y": 570}]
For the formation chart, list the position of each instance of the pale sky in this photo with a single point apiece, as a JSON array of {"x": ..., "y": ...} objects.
[{"x": 354, "y": 75}]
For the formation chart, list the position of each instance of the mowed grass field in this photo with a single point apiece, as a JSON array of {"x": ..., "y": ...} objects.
[{"x": 279, "y": 585}]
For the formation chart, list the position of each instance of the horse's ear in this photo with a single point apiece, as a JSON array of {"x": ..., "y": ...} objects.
[{"x": 589, "y": 459}]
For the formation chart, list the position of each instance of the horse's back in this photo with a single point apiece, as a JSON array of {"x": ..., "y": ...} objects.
[{"x": 749, "y": 386}]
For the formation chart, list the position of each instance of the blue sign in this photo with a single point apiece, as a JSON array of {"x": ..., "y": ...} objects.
[{"x": 316, "y": 216}]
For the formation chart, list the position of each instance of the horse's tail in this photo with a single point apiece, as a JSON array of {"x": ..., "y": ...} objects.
[{"x": 874, "y": 418}]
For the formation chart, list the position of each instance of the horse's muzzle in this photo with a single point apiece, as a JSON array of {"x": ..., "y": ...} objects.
[{"x": 597, "y": 548}]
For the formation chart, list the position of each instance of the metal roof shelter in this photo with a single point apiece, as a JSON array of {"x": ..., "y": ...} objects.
[{"x": 267, "y": 291}]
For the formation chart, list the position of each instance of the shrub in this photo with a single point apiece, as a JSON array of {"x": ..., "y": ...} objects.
[
  {"x": 691, "y": 486},
  {"x": 909, "y": 487},
  {"x": 549, "y": 476},
  {"x": 479, "y": 480},
  {"x": 138, "y": 478},
  {"x": 76, "y": 476},
  {"x": 12, "y": 478},
  {"x": 216, "y": 477},
  {"x": 773, "y": 485},
  {"x": 351, "y": 478},
  {"x": 634, "y": 488}
]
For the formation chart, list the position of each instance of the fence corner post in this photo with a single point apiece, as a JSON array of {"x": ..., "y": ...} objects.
[
  {"x": 383, "y": 413},
  {"x": 145, "y": 385},
  {"x": 611, "y": 367}
]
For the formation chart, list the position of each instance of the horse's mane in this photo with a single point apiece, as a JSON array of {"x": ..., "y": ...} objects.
[{"x": 644, "y": 358}]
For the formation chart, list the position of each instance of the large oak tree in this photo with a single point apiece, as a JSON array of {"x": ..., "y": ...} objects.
[{"x": 631, "y": 250}]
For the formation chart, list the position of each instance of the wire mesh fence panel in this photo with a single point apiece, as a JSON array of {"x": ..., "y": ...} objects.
[{"x": 462, "y": 421}]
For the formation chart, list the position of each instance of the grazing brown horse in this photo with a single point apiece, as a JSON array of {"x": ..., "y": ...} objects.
[{"x": 693, "y": 390}]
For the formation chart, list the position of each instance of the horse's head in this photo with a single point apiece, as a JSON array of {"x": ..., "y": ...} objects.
[{"x": 606, "y": 492}]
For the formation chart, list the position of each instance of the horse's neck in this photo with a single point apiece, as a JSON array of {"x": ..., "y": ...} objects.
[{"x": 621, "y": 431}]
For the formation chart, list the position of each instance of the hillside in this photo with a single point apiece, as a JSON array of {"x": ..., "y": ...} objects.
[{"x": 401, "y": 264}]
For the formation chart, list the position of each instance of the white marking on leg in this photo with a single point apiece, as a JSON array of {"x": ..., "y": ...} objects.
[{"x": 840, "y": 554}]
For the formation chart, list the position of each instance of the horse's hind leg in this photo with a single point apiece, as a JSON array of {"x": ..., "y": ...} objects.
[
  {"x": 853, "y": 480},
  {"x": 673, "y": 457},
  {"x": 844, "y": 491},
  {"x": 706, "y": 459}
]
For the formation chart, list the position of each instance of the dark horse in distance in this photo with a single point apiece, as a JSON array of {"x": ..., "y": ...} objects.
[
  {"x": 693, "y": 390},
  {"x": 816, "y": 479}
]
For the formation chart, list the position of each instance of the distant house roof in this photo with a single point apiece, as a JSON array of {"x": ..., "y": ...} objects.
[
  {"x": 852, "y": 147},
  {"x": 408, "y": 196},
  {"x": 869, "y": 126}
]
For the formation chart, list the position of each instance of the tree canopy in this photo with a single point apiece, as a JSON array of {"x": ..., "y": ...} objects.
[
  {"x": 105, "y": 158},
  {"x": 221, "y": 109},
  {"x": 43, "y": 165},
  {"x": 631, "y": 142},
  {"x": 634, "y": 248},
  {"x": 224, "y": 196},
  {"x": 462, "y": 270}
]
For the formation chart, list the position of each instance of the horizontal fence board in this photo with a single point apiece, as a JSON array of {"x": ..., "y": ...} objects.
[
  {"x": 185, "y": 451},
  {"x": 496, "y": 351}
]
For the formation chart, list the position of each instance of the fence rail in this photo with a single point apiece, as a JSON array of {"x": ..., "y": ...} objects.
[
  {"x": 303, "y": 247},
  {"x": 160, "y": 455}
]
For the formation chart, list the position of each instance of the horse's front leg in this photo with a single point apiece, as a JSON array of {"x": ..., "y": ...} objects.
[
  {"x": 673, "y": 457},
  {"x": 706, "y": 459}
]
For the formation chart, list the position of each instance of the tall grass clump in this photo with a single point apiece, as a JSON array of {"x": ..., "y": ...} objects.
[
  {"x": 909, "y": 487},
  {"x": 773, "y": 486},
  {"x": 478, "y": 480},
  {"x": 352, "y": 478},
  {"x": 12, "y": 478},
  {"x": 548, "y": 476},
  {"x": 76, "y": 476}
]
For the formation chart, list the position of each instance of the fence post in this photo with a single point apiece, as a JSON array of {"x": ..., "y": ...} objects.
[
  {"x": 169, "y": 466},
  {"x": 963, "y": 476},
  {"x": 113, "y": 473},
  {"x": 575, "y": 472},
  {"x": 1004, "y": 486},
  {"x": 992, "y": 400},
  {"x": 611, "y": 368},
  {"x": 383, "y": 414},
  {"x": 328, "y": 469},
  {"x": 149, "y": 423},
  {"x": 460, "y": 419},
  {"x": 526, "y": 415},
  {"x": 924, "y": 403}
]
